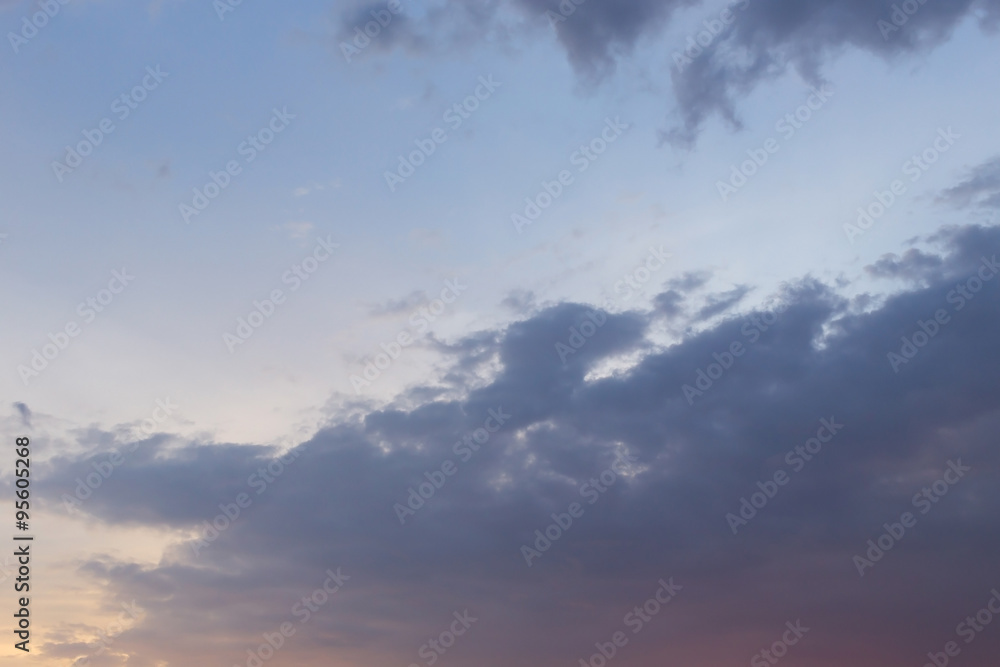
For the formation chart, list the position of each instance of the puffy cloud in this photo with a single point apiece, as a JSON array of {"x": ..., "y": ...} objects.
[{"x": 815, "y": 357}]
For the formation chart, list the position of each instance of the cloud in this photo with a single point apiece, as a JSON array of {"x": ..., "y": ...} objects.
[
  {"x": 820, "y": 358},
  {"x": 25, "y": 413},
  {"x": 520, "y": 301},
  {"x": 765, "y": 41},
  {"x": 914, "y": 265},
  {"x": 981, "y": 188},
  {"x": 690, "y": 281},
  {"x": 596, "y": 34},
  {"x": 443, "y": 27},
  {"x": 407, "y": 304},
  {"x": 669, "y": 303},
  {"x": 716, "y": 304},
  {"x": 769, "y": 38}
]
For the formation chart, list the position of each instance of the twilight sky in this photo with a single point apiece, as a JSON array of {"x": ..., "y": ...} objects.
[{"x": 512, "y": 332}]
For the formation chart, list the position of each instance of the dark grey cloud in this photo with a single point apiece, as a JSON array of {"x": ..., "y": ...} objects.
[
  {"x": 981, "y": 188},
  {"x": 689, "y": 281},
  {"x": 913, "y": 265},
  {"x": 817, "y": 356},
  {"x": 669, "y": 303},
  {"x": 769, "y": 38},
  {"x": 25, "y": 413},
  {"x": 596, "y": 34},
  {"x": 765, "y": 41},
  {"x": 716, "y": 304}
]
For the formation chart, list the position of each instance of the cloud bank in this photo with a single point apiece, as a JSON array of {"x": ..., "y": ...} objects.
[{"x": 482, "y": 470}]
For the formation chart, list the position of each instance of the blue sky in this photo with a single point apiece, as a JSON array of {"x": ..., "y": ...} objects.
[{"x": 352, "y": 121}]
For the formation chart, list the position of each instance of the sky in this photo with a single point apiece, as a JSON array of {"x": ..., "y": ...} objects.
[{"x": 502, "y": 332}]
